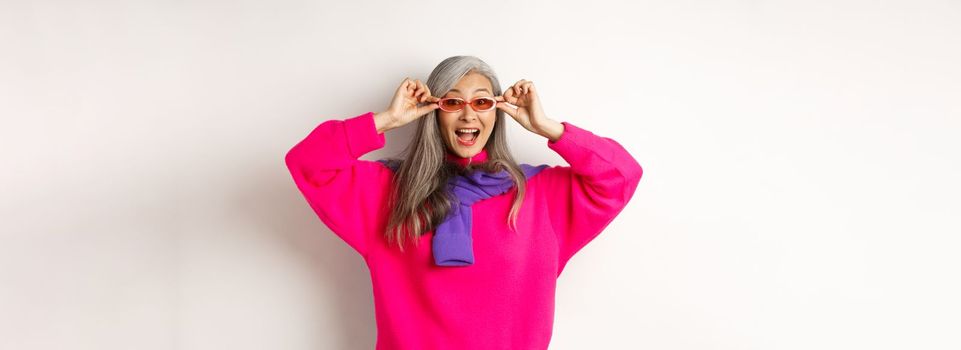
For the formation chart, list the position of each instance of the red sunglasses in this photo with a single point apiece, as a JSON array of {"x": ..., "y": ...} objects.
[{"x": 455, "y": 104}]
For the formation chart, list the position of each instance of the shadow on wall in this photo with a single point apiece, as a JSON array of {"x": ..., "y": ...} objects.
[
  {"x": 271, "y": 203},
  {"x": 277, "y": 209}
]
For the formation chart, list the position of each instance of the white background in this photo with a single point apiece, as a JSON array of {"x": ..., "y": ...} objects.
[{"x": 800, "y": 187}]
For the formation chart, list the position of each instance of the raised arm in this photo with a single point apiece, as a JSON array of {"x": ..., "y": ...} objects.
[
  {"x": 586, "y": 196},
  {"x": 348, "y": 194}
]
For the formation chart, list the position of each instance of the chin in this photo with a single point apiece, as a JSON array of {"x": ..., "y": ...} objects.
[{"x": 467, "y": 151}]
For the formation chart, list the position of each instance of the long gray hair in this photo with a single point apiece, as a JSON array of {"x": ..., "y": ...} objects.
[{"x": 419, "y": 198}]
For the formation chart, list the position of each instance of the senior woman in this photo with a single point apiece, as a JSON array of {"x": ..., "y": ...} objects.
[{"x": 464, "y": 245}]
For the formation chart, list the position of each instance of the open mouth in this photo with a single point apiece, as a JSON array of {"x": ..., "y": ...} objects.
[{"x": 467, "y": 137}]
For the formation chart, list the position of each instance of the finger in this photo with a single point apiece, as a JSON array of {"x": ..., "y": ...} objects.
[
  {"x": 509, "y": 95},
  {"x": 501, "y": 100},
  {"x": 507, "y": 109},
  {"x": 426, "y": 109},
  {"x": 419, "y": 94},
  {"x": 425, "y": 92},
  {"x": 432, "y": 99},
  {"x": 428, "y": 90},
  {"x": 403, "y": 86},
  {"x": 522, "y": 86}
]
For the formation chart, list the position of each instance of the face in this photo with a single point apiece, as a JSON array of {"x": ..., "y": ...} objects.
[{"x": 470, "y": 86}]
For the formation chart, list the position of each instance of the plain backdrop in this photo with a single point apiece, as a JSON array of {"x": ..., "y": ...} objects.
[{"x": 800, "y": 188}]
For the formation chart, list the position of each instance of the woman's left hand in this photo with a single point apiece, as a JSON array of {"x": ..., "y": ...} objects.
[{"x": 529, "y": 112}]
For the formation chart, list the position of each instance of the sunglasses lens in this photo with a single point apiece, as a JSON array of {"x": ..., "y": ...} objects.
[
  {"x": 451, "y": 105},
  {"x": 483, "y": 104}
]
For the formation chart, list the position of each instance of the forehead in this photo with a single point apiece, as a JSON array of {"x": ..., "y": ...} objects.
[{"x": 470, "y": 84}]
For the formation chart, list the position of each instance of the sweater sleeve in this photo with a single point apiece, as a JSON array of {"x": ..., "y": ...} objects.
[
  {"x": 346, "y": 193},
  {"x": 586, "y": 196}
]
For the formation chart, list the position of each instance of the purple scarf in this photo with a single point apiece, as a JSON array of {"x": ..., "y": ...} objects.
[{"x": 452, "y": 244}]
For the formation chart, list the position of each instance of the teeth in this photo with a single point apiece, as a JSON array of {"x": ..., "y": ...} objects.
[{"x": 467, "y": 130}]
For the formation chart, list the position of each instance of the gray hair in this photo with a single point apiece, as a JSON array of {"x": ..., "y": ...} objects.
[{"x": 419, "y": 199}]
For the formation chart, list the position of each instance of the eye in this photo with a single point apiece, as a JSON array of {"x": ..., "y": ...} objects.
[
  {"x": 452, "y": 103},
  {"x": 483, "y": 103}
]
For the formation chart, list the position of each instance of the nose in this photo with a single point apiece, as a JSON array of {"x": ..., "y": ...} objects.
[{"x": 468, "y": 114}]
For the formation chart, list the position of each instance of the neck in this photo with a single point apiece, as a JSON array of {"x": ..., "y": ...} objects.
[{"x": 477, "y": 158}]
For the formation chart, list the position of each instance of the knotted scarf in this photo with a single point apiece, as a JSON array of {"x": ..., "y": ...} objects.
[{"x": 452, "y": 244}]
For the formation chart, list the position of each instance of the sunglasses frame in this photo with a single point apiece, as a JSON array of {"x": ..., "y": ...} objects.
[{"x": 468, "y": 103}]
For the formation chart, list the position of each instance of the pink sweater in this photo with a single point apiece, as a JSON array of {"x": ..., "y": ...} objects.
[{"x": 505, "y": 300}]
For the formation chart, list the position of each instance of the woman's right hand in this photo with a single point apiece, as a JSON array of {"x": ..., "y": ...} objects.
[{"x": 404, "y": 107}]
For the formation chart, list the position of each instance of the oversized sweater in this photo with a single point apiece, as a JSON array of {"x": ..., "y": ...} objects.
[{"x": 505, "y": 300}]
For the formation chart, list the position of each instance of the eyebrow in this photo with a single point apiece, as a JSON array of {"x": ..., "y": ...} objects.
[{"x": 481, "y": 89}]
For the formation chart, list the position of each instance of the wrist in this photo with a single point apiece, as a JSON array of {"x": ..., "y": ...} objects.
[
  {"x": 552, "y": 130},
  {"x": 383, "y": 121}
]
